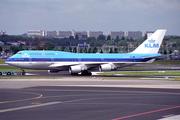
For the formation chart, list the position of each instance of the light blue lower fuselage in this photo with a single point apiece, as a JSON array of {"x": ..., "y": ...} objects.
[{"x": 43, "y": 59}]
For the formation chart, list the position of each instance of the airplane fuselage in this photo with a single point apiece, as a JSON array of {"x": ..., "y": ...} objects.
[{"x": 44, "y": 60}]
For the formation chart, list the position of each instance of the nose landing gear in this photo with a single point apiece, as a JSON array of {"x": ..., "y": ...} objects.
[{"x": 23, "y": 72}]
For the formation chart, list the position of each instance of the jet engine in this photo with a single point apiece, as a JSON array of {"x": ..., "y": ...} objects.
[
  {"x": 53, "y": 71},
  {"x": 75, "y": 69},
  {"x": 107, "y": 67}
]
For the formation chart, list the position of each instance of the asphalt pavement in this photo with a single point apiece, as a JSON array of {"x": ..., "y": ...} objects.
[
  {"x": 89, "y": 97},
  {"x": 88, "y": 103},
  {"x": 86, "y": 98}
]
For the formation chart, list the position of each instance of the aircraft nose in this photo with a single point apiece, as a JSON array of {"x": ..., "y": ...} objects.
[{"x": 8, "y": 61}]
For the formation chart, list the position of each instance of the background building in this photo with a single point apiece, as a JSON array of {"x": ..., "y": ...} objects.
[
  {"x": 148, "y": 33},
  {"x": 133, "y": 34},
  {"x": 2, "y": 32},
  {"x": 36, "y": 33},
  {"x": 1, "y": 43},
  {"x": 94, "y": 33},
  {"x": 51, "y": 33},
  {"x": 66, "y": 34},
  {"x": 114, "y": 34},
  {"x": 82, "y": 35}
]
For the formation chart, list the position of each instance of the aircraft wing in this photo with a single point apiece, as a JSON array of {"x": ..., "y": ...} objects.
[
  {"x": 56, "y": 65},
  {"x": 151, "y": 57}
]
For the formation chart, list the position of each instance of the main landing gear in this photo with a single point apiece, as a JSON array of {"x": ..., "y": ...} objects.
[
  {"x": 86, "y": 73},
  {"x": 23, "y": 72},
  {"x": 83, "y": 73}
]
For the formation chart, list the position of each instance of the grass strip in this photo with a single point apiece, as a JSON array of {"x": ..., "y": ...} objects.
[
  {"x": 2, "y": 61},
  {"x": 143, "y": 73},
  {"x": 129, "y": 78},
  {"x": 29, "y": 77},
  {"x": 10, "y": 68},
  {"x": 165, "y": 62}
]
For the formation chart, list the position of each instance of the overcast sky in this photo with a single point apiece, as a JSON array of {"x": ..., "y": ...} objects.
[{"x": 18, "y": 16}]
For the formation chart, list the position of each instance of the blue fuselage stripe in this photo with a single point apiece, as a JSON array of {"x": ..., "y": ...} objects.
[
  {"x": 76, "y": 60},
  {"x": 58, "y": 56}
]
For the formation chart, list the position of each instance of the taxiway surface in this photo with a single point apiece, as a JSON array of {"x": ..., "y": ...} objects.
[
  {"x": 88, "y": 103},
  {"x": 82, "y": 98}
]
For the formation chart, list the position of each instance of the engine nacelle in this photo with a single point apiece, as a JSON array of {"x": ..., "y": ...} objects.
[
  {"x": 75, "y": 69},
  {"x": 53, "y": 71},
  {"x": 107, "y": 67}
]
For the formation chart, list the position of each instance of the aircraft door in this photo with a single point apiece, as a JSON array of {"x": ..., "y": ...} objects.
[
  {"x": 134, "y": 59},
  {"x": 52, "y": 60},
  {"x": 102, "y": 60},
  {"x": 79, "y": 60},
  {"x": 30, "y": 60}
]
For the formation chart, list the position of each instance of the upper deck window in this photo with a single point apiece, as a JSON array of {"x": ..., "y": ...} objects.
[
  {"x": 49, "y": 53},
  {"x": 41, "y": 54},
  {"x": 35, "y": 53}
]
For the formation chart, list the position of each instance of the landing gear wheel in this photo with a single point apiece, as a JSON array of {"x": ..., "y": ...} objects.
[
  {"x": 8, "y": 73},
  {"x": 23, "y": 72},
  {"x": 86, "y": 73},
  {"x": 74, "y": 73}
]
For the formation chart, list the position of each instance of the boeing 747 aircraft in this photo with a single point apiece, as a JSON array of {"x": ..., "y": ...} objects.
[{"x": 55, "y": 61}]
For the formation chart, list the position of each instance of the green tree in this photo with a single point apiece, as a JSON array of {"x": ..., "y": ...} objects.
[
  {"x": 85, "y": 50},
  {"x": 165, "y": 52},
  {"x": 1, "y": 49},
  {"x": 111, "y": 50},
  {"x": 110, "y": 42},
  {"x": 126, "y": 49},
  {"x": 117, "y": 39},
  {"x": 7, "y": 50},
  {"x": 77, "y": 37},
  {"x": 145, "y": 37},
  {"x": 20, "y": 47},
  {"x": 71, "y": 38},
  {"x": 62, "y": 48},
  {"x": 80, "y": 51},
  {"x": 74, "y": 50},
  {"x": 49, "y": 45},
  {"x": 91, "y": 39},
  {"x": 101, "y": 37},
  {"x": 123, "y": 38},
  {"x": 100, "y": 43},
  {"x": 115, "y": 50},
  {"x": 122, "y": 43},
  {"x": 94, "y": 50},
  {"x": 16, "y": 49},
  {"x": 89, "y": 50},
  {"x": 70, "y": 49},
  {"x": 108, "y": 37},
  {"x": 170, "y": 51}
]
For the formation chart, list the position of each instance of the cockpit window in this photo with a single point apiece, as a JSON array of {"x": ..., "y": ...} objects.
[{"x": 18, "y": 53}]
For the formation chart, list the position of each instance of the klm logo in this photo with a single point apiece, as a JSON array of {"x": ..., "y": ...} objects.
[{"x": 151, "y": 44}]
